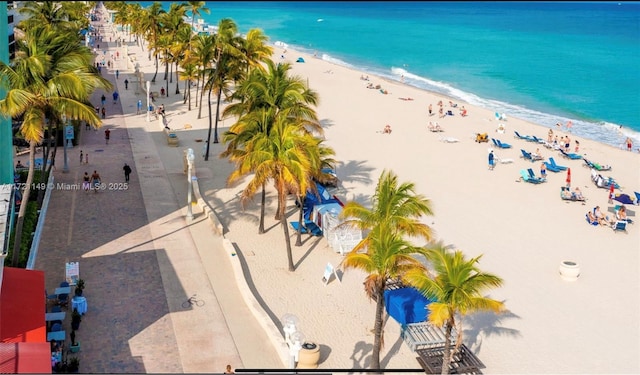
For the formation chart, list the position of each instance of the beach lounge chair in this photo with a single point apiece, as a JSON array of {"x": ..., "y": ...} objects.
[
  {"x": 556, "y": 166},
  {"x": 571, "y": 156},
  {"x": 525, "y": 176},
  {"x": 500, "y": 144},
  {"x": 533, "y": 175},
  {"x": 539, "y": 140},
  {"x": 551, "y": 168},
  {"x": 529, "y": 156},
  {"x": 525, "y": 137},
  {"x": 620, "y": 226},
  {"x": 308, "y": 227},
  {"x": 570, "y": 196},
  {"x": 596, "y": 166},
  {"x": 594, "y": 222}
]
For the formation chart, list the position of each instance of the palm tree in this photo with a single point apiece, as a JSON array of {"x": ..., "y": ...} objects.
[
  {"x": 151, "y": 22},
  {"x": 321, "y": 157},
  {"x": 49, "y": 75},
  {"x": 204, "y": 52},
  {"x": 196, "y": 8},
  {"x": 396, "y": 210},
  {"x": 255, "y": 49},
  {"x": 280, "y": 155},
  {"x": 457, "y": 288},
  {"x": 276, "y": 90}
]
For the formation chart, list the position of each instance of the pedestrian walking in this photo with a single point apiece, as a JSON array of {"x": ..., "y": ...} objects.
[
  {"x": 115, "y": 97},
  {"x": 104, "y": 112},
  {"x": 126, "y": 84},
  {"x": 86, "y": 182},
  {"x": 117, "y": 73},
  {"x": 491, "y": 160},
  {"x": 86, "y": 158},
  {"x": 103, "y": 99},
  {"x": 127, "y": 171},
  {"x": 107, "y": 134},
  {"x": 139, "y": 107},
  {"x": 95, "y": 181},
  {"x": 81, "y": 156}
]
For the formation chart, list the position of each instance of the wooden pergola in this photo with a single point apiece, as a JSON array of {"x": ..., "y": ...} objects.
[
  {"x": 463, "y": 361},
  {"x": 427, "y": 341}
]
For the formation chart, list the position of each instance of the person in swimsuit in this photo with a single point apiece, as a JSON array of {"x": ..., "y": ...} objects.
[
  {"x": 95, "y": 181},
  {"x": 85, "y": 182}
]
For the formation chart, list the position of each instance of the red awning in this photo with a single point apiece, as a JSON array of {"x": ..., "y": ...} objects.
[{"x": 23, "y": 334}]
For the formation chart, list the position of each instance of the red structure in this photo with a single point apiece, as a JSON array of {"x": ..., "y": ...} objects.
[{"x": 23, "y": 334}]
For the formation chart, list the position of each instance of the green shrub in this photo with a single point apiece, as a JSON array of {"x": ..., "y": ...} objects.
[{"x": 28, "y": 227}]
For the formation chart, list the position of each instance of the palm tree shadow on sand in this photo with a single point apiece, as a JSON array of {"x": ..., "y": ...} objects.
[
  {"x": 361, "y": 355},
  {"x": 485, "y": 324}
]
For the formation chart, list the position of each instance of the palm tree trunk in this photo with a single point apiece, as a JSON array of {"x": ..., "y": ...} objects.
[
  {"x": 446, "y": 357},
  {"x": 206, "y": 155},
  {"x": 17, "y": 243},
  {"x": 299, "y": 236},
  {"x": 177, "y": 80},
  {"x": 197, "y": 86},
  {"x": 202, "y": 96},
  {"x": 262, "y": 208},
  {"x": 378, "y": 330},
  {"x": 215, "y": 132},
  {"x": 156, "y": 74},
  {"x": 166, "y": 78}
]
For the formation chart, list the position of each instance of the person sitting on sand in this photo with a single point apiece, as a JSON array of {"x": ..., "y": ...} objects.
[
  {"x": 577, "y": 194},
  {"x": 592, "y": 219},
  {"x": 370, "y": 85},
  {"x": 566, "y": 194},
  {"x": 621, "y": 215},
  {"x": 463, "y": 111},
  {"x": 602, "y": 220},
  {"x": 384, "y": 91},
  {"x": 537, "y": 155},
  {"x": 387, "y": 129}
]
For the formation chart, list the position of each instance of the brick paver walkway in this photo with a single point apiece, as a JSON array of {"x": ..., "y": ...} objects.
[{"x": 137, "y": 256}]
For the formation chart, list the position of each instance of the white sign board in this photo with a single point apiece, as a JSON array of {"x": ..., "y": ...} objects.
[
  {"x": 72, "y": 272},
  {"x": 328, "y": 271}
]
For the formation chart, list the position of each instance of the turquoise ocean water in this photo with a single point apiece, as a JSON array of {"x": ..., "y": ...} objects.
[{"x": 545, "y": 62}]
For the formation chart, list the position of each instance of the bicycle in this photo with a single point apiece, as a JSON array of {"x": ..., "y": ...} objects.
[{"x": 192, "y": 301}]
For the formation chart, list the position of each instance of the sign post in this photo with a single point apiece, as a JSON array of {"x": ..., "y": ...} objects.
[{"x": 72, "y": 272}]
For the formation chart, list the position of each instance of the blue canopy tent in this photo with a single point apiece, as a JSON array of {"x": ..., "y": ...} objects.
[
  {"x": 311, "y": 199},
  {"x": 300, "y": 60},
  {"x": 406, "y": 305}
]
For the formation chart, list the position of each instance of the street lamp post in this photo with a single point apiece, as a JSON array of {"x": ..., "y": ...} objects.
[
  {"x": 293, "y": 337},
  {"x": 148, "y": 99},
  {"x": 65, "y": 168},
  {"x": 190, "y": 158}
]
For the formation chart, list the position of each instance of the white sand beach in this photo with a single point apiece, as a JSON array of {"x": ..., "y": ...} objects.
[{"x": 591, "y": 325}]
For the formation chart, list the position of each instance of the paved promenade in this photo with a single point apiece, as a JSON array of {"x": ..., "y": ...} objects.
[{"x": 139, "y": 256}]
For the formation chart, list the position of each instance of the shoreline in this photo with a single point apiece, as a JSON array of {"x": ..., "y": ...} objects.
[{"x": 613, "y": 134}]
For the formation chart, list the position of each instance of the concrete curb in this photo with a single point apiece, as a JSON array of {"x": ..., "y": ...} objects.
[{"x": 258, "y": 312}]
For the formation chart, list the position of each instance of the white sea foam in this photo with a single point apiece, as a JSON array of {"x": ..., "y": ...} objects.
[{"x": 604, "y": 132}]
